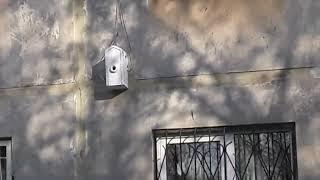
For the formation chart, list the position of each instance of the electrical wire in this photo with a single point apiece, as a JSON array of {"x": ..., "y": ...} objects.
[
  {"x": 127, "y": 36},
  {"x": 119, "y": 19},
  {"x": 115, "y": 30}
]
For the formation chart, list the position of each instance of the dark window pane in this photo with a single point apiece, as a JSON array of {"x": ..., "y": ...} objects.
[
  {"x": 193, "y": 161},
  {"x": 3, "y": 151},
  {"x": 3, "y": 164},
  {"x": 263, "y": 156}
]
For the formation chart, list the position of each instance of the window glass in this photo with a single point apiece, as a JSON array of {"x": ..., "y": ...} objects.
[{"x": 3, "y": 151}]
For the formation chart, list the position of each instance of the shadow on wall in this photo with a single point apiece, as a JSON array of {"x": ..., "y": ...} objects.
[
  {"x": 101, "y": 91},
  {"x": 120, "y": 145},
  {"x": 43, "y": 128},
  {"x": 165, "y": 46},
  {"x": 212, "y": 32},
  {"x": 35, "y": 43},
  {"x": 119, "y": 130},
  {"x": 34, "y": 50}
]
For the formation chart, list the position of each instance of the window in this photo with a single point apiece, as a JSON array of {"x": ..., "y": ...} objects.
[
  {"x": 245, "y": 152},
  {"x": 5, "y": 159}
]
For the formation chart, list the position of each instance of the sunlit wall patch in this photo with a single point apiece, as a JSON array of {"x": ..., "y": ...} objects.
[{"x": 207, "y": 15}]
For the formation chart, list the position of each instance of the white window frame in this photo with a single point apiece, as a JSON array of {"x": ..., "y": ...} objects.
[
  {"x": 162, "y": 142},
  {"x": 7, "y": 144}
]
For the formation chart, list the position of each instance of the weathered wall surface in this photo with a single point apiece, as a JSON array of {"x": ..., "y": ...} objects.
[
  {"x": 119, "y": 130},
  {"x": 41, "y": 45},
  {"x": 42, "y": 128},
  {"x": 63, "y": 133},
  {"x": 36, "y": 39},
  {"x": 172, "y": 38}
]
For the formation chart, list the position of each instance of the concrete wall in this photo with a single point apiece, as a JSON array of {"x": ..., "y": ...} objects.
[
  {"x": 36, "y": 43},
  {"x": 173, "y": 38},
  {"x": 119, "y": 130},
  {"x": 40, "y": 79},
  {"x": 182, "y": 56},
  {"x": 42, "y": 128}
]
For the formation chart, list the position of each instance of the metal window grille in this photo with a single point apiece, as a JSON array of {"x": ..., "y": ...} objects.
[
  {"x": 245, "y": 152},
  {"x": 5, "y": 159}
]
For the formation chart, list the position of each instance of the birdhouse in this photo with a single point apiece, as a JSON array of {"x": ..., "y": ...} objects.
[{"x": 116, "y": 63}]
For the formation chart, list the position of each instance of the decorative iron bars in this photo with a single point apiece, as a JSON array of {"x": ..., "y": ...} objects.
[{"x": 245, "y": 152}]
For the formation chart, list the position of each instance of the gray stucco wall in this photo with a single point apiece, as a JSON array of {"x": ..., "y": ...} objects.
[
  {"x": 169, "y": 40},
  {"x": 185, "y": 39},
  {"x": 119, "y": 130},
  {"x": 174, "y": 38},
  {"x": 35, "y": 43},
  {"x": 42, "y": 128},
  {"x": 65, "y": 133}
]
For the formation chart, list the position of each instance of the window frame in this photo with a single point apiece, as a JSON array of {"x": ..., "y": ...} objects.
[
  {"x": 7, "y": 142},
  {"x": 162, "y": 135},
  {"x": 163, "y": 142}
]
